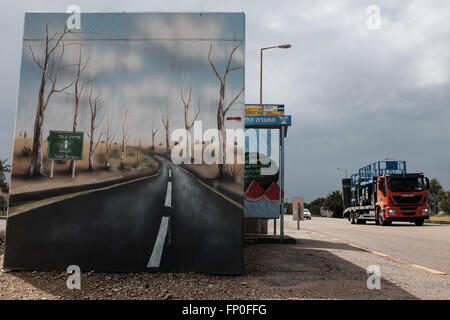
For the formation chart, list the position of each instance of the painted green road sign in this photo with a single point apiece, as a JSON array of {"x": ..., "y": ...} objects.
[{"x": 65, "y": 145}]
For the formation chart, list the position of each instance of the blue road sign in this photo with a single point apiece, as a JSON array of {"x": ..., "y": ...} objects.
[{"x": 265, "y": 121}]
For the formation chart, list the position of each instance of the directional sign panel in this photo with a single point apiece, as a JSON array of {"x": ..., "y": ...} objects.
[
  {"x": 267, "y": 121},
  {"x": 65, "y": 145},
  {"x": 273, "y": 110},
  {"x": 264, "y": 109}
]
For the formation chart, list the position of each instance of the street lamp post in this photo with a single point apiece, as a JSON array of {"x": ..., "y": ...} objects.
[
  {"x": 345, "y": 172},
  {"x": 284, "y": 46}
]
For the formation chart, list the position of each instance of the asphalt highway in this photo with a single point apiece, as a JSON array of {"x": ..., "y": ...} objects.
[
  {"x": 117, "y": 229},
  {"x": 426, "y": 245},
  {"x": 412, "y": 259}
]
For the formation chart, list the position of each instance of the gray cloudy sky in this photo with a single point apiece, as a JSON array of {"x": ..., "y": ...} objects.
[
  {"x": 145, "y": 76},
  {"x": 356, "y": 95}
]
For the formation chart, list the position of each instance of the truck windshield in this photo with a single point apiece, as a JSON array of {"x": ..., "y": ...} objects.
[{"x": 406, "y": 184}]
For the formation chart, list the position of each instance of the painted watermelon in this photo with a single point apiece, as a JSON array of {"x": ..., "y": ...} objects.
[
  {"x": 254, "y": 191},
  {"x": 273, "y": 193},
  {"x": 253, "y": 172}
]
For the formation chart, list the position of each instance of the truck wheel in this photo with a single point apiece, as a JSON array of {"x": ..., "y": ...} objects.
[
  {"x": 381, "y": 221},
  {"x": 419, "y": 222}
]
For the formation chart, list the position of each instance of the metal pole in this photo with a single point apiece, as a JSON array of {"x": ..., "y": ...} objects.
[
  {"x": 260, "y": 78},
  {"x": 274, "y": 226},
  {"x": 282, "y": 184},
  {"x": 279, "y": 177},
  {"x": 51, "y": 169},
  {"x": 260, "y": 102},
  {"x": 73, "y": 169}
]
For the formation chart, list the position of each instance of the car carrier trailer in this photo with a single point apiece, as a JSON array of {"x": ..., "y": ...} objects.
[{"x": 384, "y": 192}]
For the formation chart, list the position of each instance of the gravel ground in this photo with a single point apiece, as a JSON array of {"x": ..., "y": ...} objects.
[
  {"x": 273, "y": 271},
  {"x": 2, "y": 226}
]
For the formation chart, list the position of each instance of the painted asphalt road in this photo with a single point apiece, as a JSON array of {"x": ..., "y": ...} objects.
[
  {"x": 201, "y": 223},
  {"x": 116, "y": 229},
  {"x": 426, "y": 246}
]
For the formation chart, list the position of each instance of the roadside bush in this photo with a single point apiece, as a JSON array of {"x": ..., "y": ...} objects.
[
  {"x": 26, "y": 151},
  {"x": 101, "y": 157},
  {"x": 288, "y": 207},
  {"x": 334, "y": 203},
  {"x": 444, "y": 201},
  {"x": 3, "y": 204},
  {"x": 115, "y": 154},
  {"x": 130, "y": 152},
  {"x": 4, "y": 168},
  {"x": 315, "y": 206},
  {"x": 433, "y": 195}
]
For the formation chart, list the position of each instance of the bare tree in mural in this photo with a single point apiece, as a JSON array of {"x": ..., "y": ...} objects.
[
  {"x": 51, "y": 67},
  {"x": 78, "y": 90},
  {"x": 165, "y": 121},
  {"x": 95, "y": 122},
  {"x": 153, "y": 136},
  {"x": 187, "y": 124},
  {"x": 109, "y": 137},
  {"x": 222, "y": 109},
  {"x": 125, "y": 136}
]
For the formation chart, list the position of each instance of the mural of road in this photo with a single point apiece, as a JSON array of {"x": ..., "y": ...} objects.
[{"x": 93, "y": 230}]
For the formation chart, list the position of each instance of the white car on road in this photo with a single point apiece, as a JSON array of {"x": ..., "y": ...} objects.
[{"x": 306, "y": 214}]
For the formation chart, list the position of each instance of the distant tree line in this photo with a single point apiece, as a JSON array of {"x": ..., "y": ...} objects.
[
  {"x": 438, "y": 197},
  {"x": 4, "y": 184},
  {"x": 315, "y": 206},
  {"x": 4, "y": 168},
  {"x": 288, "y": 208}
]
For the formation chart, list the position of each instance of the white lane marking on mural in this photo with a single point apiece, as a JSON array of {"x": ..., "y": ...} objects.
[
  {"x": 155, "y": 258},
  {"x": 170, "y": 173},
  {"x": 168, "y": 202}
]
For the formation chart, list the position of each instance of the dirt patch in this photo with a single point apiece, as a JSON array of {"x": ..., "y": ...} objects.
[
  {"x": 272, "y": 272},
  {"x": 211, "y": 171},
  {"x": 232, "y": 184}
]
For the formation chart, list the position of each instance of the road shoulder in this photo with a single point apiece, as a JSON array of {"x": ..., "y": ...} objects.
[{"x": 416, "y": 282}]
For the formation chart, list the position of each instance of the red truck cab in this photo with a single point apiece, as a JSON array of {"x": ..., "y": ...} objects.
[{"x": 402, "y": 197}]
